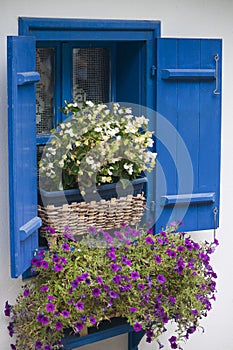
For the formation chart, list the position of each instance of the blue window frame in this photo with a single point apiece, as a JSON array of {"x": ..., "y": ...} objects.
[{"x": 178, "y": 81}]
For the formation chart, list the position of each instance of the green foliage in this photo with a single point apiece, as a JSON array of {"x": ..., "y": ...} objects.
[{"x": 148, "y": 279}]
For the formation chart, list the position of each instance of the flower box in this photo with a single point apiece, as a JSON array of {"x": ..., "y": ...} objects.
[{"x": 108, "y": 207}]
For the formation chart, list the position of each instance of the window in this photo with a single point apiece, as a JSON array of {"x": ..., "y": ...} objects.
[{"x": 180, "y": 79}]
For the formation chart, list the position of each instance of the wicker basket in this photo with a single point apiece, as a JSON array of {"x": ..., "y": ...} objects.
[{"x": 107, "y": 214}]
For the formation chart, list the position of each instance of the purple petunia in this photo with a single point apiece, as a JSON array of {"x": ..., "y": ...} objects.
[
  {"x": 132, "y": 309},
  {"x": 44, "y": 288},
  {"x": 44, "y": 264},
  {"x": 47, "y": 347},
  {"x": 115, "y": 267},
  {"x": 126, "y": 261},
  {"x": 38, "y": 344},
  {"x": 78, "y": 326},
  {"x": 58, "y": 267},
  {"x": 7, "y": 310},
  {"x": 13, "y": 347},
  {"x": 50, "y": 297},
  {"x": 149, "y": 240},
  {"x": 180, "y": 249},
  {"x": 50, "y": 307},
  {"x": 58, "y": 326},
  {"x": 172, "y": 299},
  {"x": 134, "y": 275},
  {"x": 65, "y": 246},
  {"x": 93, "y": 320},
  {"x": 116, "y": 279},
  {"x": 79, "y": 305},
  {"x": 141, "y": 286},
  {"x": 157, "y": 259},
  {"x": 45, "y": 320},
  {"x": 65, "y": 313},
  {"x": 96, "y": 292},
  {"x": 160, "y": 240},
  {"x": 137, "y": 327},
  {"x": 161, "y": 279},
  {"x": 99, "y": 279},
  {"x": 113, "y": 294},
  {"x": 40, "y": 317},
  {"x": 26, "y": 292}
]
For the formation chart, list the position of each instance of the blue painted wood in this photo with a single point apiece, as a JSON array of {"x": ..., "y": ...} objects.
[
  {"x": 191, "y": 198},
  {"x": 27, "y": 78},
  {"x": 29, "y": 228},
  {"x": 73, "y": 342},
  {"x": 83, "y": 29},
  {"x": 188, "y": 133},
  {"x": 22, "y": 154},
  {"x": 134, "y": 339},
  {"x": 199, "y": 74}
]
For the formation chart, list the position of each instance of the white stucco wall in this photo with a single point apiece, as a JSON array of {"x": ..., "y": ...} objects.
[{"x": 180, "y": 18}]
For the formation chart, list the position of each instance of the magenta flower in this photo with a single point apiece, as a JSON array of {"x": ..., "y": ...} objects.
[
  {"x": 180, "y": 249},
  {"x": 50, "y": 297},
  {"x": 113, "y": 294},
  {"x": 58, "y": 267},
  {"x": 99, "y": 279},
  {"x": 65, "y": 246},
  {"x": 132, "y": 309},
  {"x": 157, "y": 259},
  {"x": 50, "y": 307},
  {"x": 65, "y": 313},
  {"x": 44, "y": 288},
  {"x": 44, "y": 264},
  {"x": 172, "y": 299},
  {"x": 115, "y": 267},
  {"x": 96, "y": 292},
  {"x": 45, "y": 320},
  {"x": 134, "y": 275},
  {"x": 161, "y": 279},
  {"x": 26, "y": 292},
  {"x": 7, "y": 310},
  {"x": 141, "y": 286},
  {"x": 79, "y": 305},
  {"x": 58, "y": 326},
  {"x": 79, "y": 326},
  {"x": 93, "y": 320},
  {"x": 116, "y": 279},
  {"x": 137, "y": 327},
  {"x": 38, "y": 344},
  {"x": 149, "y": 240}
]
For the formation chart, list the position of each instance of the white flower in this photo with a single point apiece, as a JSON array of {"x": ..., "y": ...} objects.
[
  {"x": 90, "y": 104},
  {"x": 129, "y": 168},
  {"x": 150, "y": 143},
  {"x": 90, "y": 160},
  {"x": 61, "y": 163},
  {"x": 98, "y": 129},
  {"x": 130, "y": 129},
  {"x": 70, "y": 132}
]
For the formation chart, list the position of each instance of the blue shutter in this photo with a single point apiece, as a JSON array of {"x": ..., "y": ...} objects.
[
  {"x": 22, "y": 152},
  {"x": 188, "y": 132}
]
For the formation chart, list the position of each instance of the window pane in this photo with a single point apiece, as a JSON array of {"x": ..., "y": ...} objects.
[
  {"x": 45, "y": 90},
  {"x": 91, "y": 74}
]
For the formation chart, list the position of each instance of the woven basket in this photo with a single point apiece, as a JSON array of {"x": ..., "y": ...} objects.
[{"x": 106, "y": 214}]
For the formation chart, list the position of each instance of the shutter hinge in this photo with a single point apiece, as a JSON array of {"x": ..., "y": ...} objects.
[{"x": 153, "y": 70}]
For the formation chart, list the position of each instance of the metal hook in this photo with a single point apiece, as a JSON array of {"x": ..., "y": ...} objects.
[{"x": 216, "y": 92}]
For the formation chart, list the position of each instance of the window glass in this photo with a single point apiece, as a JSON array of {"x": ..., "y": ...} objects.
[
  {"x": 91, "y": 74},
  {"x": 45, "y": 90}
]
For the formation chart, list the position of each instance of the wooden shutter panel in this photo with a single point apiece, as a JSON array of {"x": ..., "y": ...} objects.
[
  {"x": 22, "y": 152},
  {"x": 188, "y": 132}
]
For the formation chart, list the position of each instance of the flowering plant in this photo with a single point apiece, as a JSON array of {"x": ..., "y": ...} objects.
[
  {"x": 97, "y": 144},
  {"x": 148, "y": 279}
]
